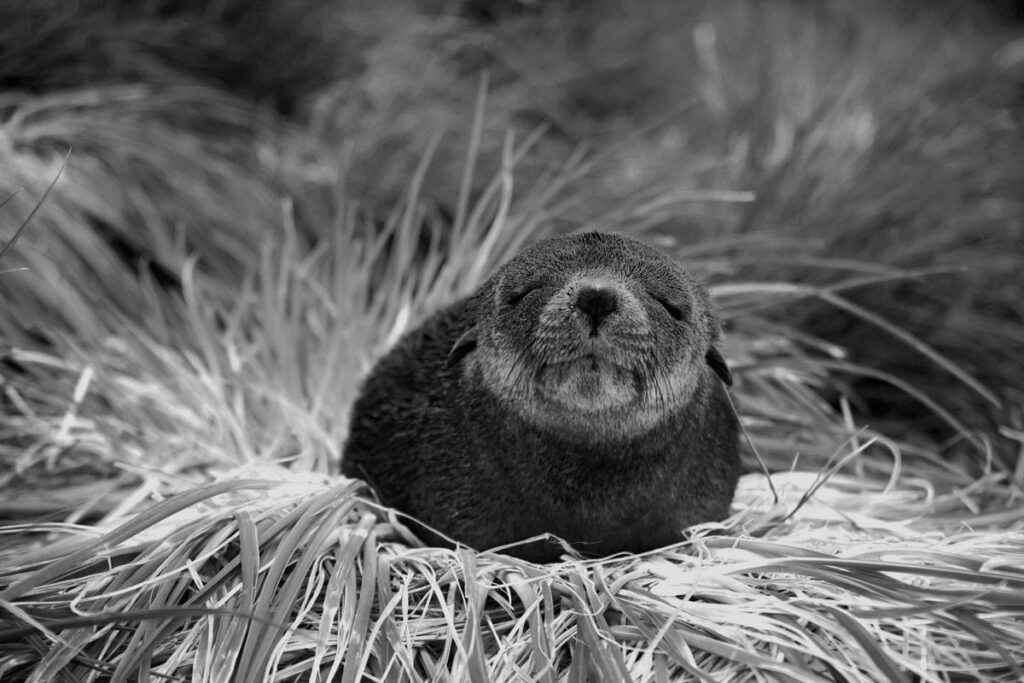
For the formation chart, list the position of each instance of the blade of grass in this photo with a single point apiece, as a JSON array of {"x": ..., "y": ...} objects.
[{"x": 21, "y": 228}]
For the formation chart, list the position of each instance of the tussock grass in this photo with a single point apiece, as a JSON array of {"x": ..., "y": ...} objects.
[
  {"x": 284, "y": 576},
  {"x": 184, "y": 321},
  {"x": 880, "y": 558}
]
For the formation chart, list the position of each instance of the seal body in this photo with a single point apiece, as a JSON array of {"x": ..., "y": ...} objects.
[{"x": 578, "y": 392}]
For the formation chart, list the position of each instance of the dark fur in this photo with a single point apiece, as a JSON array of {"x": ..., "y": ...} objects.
[{"x": 437, "y": 443}]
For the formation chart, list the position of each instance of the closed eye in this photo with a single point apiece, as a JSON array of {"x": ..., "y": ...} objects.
[
  {"x": 673, "y": 309},
  {"x": 518, "y": 295}
]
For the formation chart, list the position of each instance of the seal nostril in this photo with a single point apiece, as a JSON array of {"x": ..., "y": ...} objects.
[{"x": 597, "y": 303}]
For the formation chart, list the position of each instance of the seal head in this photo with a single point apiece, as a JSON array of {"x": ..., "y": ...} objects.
[{"x": 597, "y": 335}]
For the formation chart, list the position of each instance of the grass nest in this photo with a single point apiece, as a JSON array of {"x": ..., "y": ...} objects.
[{"x": 187, "y": 310}]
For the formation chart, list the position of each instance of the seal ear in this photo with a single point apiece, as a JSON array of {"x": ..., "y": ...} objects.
[
  {"x": 717, "y": 363},
  {"x": 462, "y": 346}
]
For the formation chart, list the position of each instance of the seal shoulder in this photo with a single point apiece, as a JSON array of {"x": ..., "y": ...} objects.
[
  {"x": 404, "y": 389},
  {"x": 406, "y": 437}
]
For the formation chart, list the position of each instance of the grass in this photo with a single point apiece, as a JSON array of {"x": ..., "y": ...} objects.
[{"x": 185, "y": 316}]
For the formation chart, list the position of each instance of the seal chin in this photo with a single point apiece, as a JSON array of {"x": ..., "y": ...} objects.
[{"x": 588, "y": 384}]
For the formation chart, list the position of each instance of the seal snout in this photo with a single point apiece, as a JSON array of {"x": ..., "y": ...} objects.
[{"x": 597, "y": 303}]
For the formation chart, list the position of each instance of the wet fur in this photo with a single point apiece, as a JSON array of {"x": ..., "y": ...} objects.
[{"x": 452, "y": 428}]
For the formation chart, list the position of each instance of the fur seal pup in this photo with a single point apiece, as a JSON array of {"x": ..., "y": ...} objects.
[{"x": 577, "y": 392}]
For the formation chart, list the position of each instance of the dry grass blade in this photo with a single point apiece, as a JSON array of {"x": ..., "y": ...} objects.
[
  {"x": 28, "y": 219},
  {"x": 828, "y": 294},
  {"x": 919, "y": 346},
  {"x": 33, "y": 579},
  {"x": 54, "y": 626},
  {"x": 886, "y": 666},
  {"x": 9, "y": 198}
]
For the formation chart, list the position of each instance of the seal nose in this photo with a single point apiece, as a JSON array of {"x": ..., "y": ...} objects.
[{"x": 597, "y": 303}]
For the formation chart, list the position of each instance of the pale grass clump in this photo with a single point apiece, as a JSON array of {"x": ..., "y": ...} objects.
[{"x": 284, "y": 576}]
